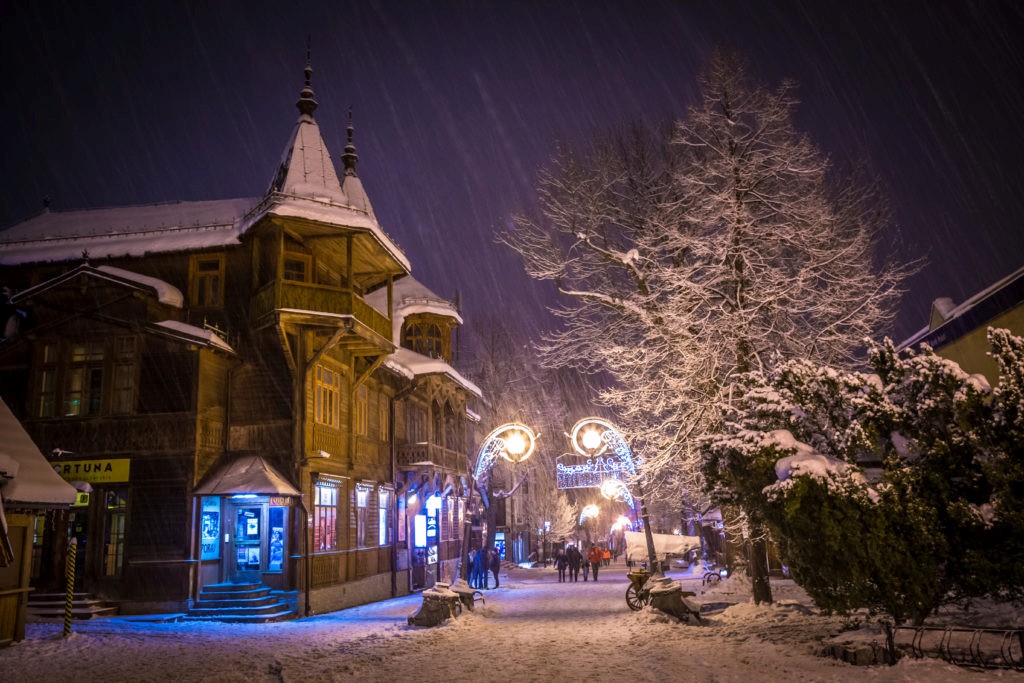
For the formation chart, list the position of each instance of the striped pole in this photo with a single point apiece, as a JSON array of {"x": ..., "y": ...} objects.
[{"x": 69, "y": 576}]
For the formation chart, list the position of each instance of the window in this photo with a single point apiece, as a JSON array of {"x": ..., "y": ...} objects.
[
  {"x": 46, "y": 381},
  {"x": 113, "y": 532},
  {"x": 383, "y": 516},
  {"x": 83, "y": 394},
  {"x": 416, "y": 423},
  {"x": 437, "y": 420},
  {"x": 383, "y": 417},
  {"x": 325, "y": 516},
  {"x": 124, "y": 376},
  {"x": 362, "y": 398},
  {"x": 207, "y": 282},
  {"x": 327, "y": 397},
  {"x": 296, "y": 267},
  {"x": 424, "y": 338},
  {"x": 362, "y": 505}
]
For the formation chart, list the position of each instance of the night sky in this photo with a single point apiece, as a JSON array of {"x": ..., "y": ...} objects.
[{"x": 457, "y": 104}]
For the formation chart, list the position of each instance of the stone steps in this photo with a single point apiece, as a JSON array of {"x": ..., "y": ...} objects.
[
  {"x": 239, "y": 603},
  {"x": 51, "y": 606}
]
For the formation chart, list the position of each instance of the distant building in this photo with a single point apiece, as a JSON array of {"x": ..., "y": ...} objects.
[
  {"x": 247, "y": 390},
  {"x": 959, "y": 331}
]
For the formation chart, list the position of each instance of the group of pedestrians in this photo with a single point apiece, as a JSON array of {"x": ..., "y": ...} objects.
[
  {"x": 483, "y": 561},
  {"x": 572, "y": 560}
]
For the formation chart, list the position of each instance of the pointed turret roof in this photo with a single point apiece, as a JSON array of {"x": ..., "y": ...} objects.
[
  {"x": 307, "y": 185},
  {"x": 351, "y": 185},
  {"x": 306, "y": 169}
]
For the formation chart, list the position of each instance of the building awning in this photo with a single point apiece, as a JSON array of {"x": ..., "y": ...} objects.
[
  {"x": 245, "y": 474},
  {"x": 32, "y": 483}
]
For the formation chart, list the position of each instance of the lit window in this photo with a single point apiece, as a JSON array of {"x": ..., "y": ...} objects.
[
  {"x": 325, "y": 516},
  {"x": 362, "y": 505},
  {"x": 83, "y": 393},
  {"x": 327, "y": 397},
  {"x": 383, "y": 518}
]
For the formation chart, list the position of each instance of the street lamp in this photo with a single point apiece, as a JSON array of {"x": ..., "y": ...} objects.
[
  {"x": 591, "y": 437},
  {"x": 513, "y": 442}
]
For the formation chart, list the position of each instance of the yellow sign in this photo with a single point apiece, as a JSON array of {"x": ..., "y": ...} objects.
[{"x": 100, "y": 471}]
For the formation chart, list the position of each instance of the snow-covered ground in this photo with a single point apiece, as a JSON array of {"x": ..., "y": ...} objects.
[{"x": 531, "y": 629}]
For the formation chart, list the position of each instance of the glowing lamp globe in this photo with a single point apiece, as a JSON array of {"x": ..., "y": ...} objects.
[
  {"x": 515, "y": 440},
  {"x": 591, "y": 439}
]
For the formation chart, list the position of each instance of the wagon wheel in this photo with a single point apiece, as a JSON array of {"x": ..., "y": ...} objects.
[{"x": 635, "y": 600}]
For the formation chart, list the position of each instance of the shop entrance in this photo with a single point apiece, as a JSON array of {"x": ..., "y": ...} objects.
[
  {"x": 245, "y": 557},
  {"x": 256, "y": 540}
]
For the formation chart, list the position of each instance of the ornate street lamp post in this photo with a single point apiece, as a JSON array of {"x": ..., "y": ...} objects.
[
  {"x": 513, "y": 442},
  {"x": 592, "y": 437}
]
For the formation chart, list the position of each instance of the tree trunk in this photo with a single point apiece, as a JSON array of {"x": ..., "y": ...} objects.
[{"x": 757, "y": 561}]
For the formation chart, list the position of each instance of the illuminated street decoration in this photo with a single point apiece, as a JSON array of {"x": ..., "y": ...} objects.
[
  {"x": 607, "y": 454},
  {"x": 589, "y": 512},
  {"x": 513, "y": 442},
  {"x": 614, "y": 489}
]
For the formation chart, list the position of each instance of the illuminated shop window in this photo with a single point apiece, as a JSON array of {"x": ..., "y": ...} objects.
[{"x": 325, "y": 516}]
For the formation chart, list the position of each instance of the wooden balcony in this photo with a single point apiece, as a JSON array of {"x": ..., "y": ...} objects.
[
  {"x": 412, "y": 454},
  {"x": 315, "y": 299}
]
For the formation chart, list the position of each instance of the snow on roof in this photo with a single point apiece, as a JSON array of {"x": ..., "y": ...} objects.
[
  {"x": 980, "y": 308},
  {"x": 34, "y": 483},
  {"x": 410, "y": 296},
  {"x": 195, "y": 335},
  {"x": 166, "y": 293},
  {"x": 246, "y": 474},
  {"x": 55, "y": 236},
  {"x": 325, "y": 210},
  {"x": 410, "y": 364}
]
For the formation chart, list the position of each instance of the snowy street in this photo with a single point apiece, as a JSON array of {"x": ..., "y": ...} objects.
[{"x": 531, "y": 629}]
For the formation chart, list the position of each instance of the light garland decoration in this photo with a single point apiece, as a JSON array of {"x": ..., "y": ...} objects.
[
  {"x": 614, "y": 489},
  {"x": 607, "y": 454},
  {"x": 589, "y": 511}
]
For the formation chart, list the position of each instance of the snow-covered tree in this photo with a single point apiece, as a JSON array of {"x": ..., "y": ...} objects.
[
  {"x": 942, "y": 455},
  {"x": 690, "y": 257}
]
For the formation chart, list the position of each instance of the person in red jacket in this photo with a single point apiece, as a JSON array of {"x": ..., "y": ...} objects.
[{"x": 595, "y": 557}]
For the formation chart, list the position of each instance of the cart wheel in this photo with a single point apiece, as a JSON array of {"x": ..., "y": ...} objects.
[{"x": 636, "y": 601}]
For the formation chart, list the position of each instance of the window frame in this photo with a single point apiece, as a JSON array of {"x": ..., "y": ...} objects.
[
  {"x": 325, "y": 515},
  {"x": 327, "y": 396},
  {"x": 201, "y": 294}
]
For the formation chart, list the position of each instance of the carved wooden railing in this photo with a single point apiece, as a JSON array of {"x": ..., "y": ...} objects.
[{"x": 318, "y": 299}]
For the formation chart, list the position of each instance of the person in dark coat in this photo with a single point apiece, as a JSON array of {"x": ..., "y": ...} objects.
[
  {"x": 495, "y": 564},
  {"x": 575, "y": 558},
  {"x": 561, "y": 564},
  {"x": 478, "y": 579}
]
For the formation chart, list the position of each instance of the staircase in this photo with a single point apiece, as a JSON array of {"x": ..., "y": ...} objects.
[
  {"x": 51, "y": 606},
  {"x": 252, "y": 603}
]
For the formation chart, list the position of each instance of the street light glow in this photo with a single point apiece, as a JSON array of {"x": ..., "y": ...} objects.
[
  {"x": 591, "y": 439},
  {"x": 515, "y": 444}
]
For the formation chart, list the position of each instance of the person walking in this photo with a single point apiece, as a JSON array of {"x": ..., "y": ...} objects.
[
  {"x": 575, "y": 558},
  {"x": 478, "y": 578},
  {"x": 561, "y": 564},
  {"x": 495, "y": 564},
  {"x": 595, "y": 556}
]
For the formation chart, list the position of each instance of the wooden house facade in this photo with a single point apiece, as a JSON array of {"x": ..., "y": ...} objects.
[{"x": 214, "y": 380}]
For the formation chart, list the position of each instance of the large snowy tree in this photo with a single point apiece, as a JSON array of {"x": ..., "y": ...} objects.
[
  {"x": 692, "y": 256},
  {"x": 898, "y": 490}
]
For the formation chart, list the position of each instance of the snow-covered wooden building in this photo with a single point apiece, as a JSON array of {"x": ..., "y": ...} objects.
[{"x": 224, "y": 379}]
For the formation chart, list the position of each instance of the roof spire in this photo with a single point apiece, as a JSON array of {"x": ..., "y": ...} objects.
[
  {"x": 349, "y": 158},
  {"x": 307, "y": 104}
]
